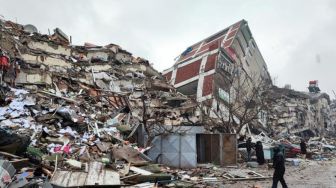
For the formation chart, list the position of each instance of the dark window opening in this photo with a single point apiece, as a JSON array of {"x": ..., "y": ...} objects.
[{"x": 189, "y": 89}]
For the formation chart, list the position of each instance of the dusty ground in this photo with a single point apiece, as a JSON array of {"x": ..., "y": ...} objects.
[{"x": 310, "y": 174}]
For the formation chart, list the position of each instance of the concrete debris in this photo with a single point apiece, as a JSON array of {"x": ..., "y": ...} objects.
[
  {"x": 79, "y": 116},
  {"x": 68, "y": 107},
  {"x": 299, "y": 113}
]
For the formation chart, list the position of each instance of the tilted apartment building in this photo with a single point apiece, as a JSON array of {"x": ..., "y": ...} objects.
[{"x": 203, "y": 69}]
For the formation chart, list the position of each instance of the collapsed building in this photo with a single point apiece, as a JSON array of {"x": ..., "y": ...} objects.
[
  {"x": 104, "y": 82},
  {"x": 89, "y": 102},
  {"x": 86, "y": 102},
  {"x": 304, "y": 114},
  {"x": 333, "y": 115}
]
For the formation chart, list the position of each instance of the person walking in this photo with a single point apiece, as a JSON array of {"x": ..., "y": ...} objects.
[
  {"x": 260, "y": 153},
  {"x": 279, "y": 169},
  {"x": 249, "y": 148},
  {"x": 303, "y": 148}
]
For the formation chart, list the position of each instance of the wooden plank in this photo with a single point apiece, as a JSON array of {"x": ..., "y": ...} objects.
[
  {"x": 111, "y": 178},
  {"x": 95, "y": 169},
  {"x": 140, "y": 171},
  {"x": 9, "y": 155},
  {"x": 257, "y": 174},
  {"x": 65, "y": 98},
  {"x": 61, "y": 178},
  {"x": 101, "y": 175},
  {"x": 226, "y": 176},
  {"x": 252, "y": 178},
  {"x": 96, "y": 175},
  {"x": 19, "y": 160},
  {"x": 77, "y": 179},
  {"x": 130, "y": 176}
]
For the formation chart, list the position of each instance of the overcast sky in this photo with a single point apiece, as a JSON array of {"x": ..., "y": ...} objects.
[{"x": 296, "y": 38}]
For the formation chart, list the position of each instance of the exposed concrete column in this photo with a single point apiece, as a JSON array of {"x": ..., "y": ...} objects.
[
  {"x": 201, "y": 77},
  {"x": 173, "y": 77}
]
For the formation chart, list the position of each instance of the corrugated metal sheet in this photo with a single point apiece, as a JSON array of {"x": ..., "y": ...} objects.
[
  {"x": 175, "y": 150},
  {"x": 217, "y": 148}
]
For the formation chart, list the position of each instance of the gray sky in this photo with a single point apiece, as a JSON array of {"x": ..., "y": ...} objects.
[{"x": 297, "y": 38}]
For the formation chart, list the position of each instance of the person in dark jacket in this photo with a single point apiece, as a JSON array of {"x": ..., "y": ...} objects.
[
  {"x": 279, "y": 169},
  {"x": 249, "y": 148},
  {"x": 303, "y": 147},
  {"x": 260, "y": 153}
]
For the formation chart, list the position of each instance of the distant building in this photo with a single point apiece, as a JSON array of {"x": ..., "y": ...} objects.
[
  {"x": 305, "y": 114},
  {"x": 313, "y": 86}
]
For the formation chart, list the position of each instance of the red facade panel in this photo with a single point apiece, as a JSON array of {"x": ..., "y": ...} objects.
[
  {"x": 231, "y": 34},
  {"x": 211, "y": 62},
  {"x": 190, "y": 54},
  {"x": 231, "y": 52},
  {"x": 207, "y": 85},
  {"x": 207, "y": 46},
  {"x": 168, "y": 75},
  {"x": 188, "y": 71},
  {"x": 214, "y": 46},
  {"x": 228, "y": 43}
]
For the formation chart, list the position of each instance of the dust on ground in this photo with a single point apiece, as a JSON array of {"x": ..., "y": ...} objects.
[{"x": 309, "y": 174}]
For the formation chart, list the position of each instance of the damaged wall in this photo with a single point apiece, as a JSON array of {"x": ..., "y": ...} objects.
[{"x": 302, "y": 113}]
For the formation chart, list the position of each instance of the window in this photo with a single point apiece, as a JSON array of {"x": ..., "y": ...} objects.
[
  {"x": 224, "y": 57},
  {"x": 189, "y": 89}
]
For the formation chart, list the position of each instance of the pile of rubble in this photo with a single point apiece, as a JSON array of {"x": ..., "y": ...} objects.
[
  {"x": 80, "y": 111},
  {"x": 303, "y": 114}
]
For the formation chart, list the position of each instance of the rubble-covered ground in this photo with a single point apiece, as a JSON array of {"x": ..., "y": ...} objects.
[{"x": 309, "y": 174}]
